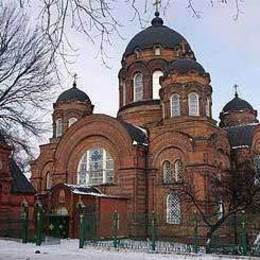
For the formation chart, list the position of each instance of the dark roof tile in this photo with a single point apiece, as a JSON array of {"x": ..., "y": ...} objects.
[
  {"x": 20, "y": 184},
  {"x": 137, "y": 133},
  {"x": 240, "y": 136}
]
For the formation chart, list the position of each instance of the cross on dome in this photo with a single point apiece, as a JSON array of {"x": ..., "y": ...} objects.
[
  {"x": 236, "y": 90},
  {"x": 157, "y": 5},
  {"x": 75, "y": 76}
]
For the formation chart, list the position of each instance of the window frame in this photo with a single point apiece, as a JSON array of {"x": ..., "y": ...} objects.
[
  {"x": 156, "y": 84},
  {"x": 169, "y": 218},
  {"x": 124, "y": 93},
  {"x": 179, "y": 105},
  {"x": 208, "y": 107},
  {"x": 48, "y": 182},
  {"x": 135, "y": 87},
  {"x": 192, "y": 112},
  {"x": 58, "y": 127},
  {"x": 178, "y": 176},
  {"x": 72, "y": 121},
  {"x": 84, "y": 174}
]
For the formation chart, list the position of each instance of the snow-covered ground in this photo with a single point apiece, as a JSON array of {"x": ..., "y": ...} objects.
[{"x": 68, "y": 250}]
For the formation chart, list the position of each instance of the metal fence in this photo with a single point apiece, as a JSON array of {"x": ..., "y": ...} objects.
[{"x": 238, "y": 235}]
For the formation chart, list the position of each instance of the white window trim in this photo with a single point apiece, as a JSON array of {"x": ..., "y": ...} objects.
[
  {"x": 191, "y": 113},
  {"x": 135, "y": 98},
  {"x": 58, "y": 127},
  {"x": 72, "y": 121},
  {"x": 156, "y": 84},
  {"x": 168, "y": 221},
  {"x": 179, "y": 107},
  {"x": 124, "y": 93},
  {"x": 48, "y": 181},
  {"x": 208, "y": 107},
  {"x": 86, "y": 156},
  {"x": 178, "y": 175}
]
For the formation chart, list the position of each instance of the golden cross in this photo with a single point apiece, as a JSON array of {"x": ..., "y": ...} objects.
[{"x": 157, "y": 5}]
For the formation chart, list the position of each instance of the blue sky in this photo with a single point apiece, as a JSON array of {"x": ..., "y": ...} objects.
[{"x": 229, "y": 50}]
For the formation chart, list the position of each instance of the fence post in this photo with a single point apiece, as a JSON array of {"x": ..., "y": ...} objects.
[
  {"x": 153, "y": 245},
  {"x": 24, "y": 221},
  {"x": 115, "y": 228},
  {"x": 82, "y": 225},
  {"x": 195, "y": 246},
  {"x": 244, "y": 242},
  {"x": 39, "y": 224}
]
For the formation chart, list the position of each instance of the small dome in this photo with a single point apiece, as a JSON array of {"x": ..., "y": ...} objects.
[
  {"x": 237, "y": 104},
  {"x": 157, "y": 34},
  {"x": 184, "y": 66},
  {"x": 73, "y": 94}
]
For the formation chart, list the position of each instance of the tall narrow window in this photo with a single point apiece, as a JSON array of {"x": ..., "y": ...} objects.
[
  {"x": 193, "y": 104},
  {"x": 178, "y": 170},
  {"x": 175, "y": 105},
  {"x": 257, "y": 169},
  {"x": 138, "y": 87},
  {"x": 208, "y": 107},
  {"x": 173, "y": 209},
  {"x": 137, "y": 52},
  {"x": 59, "y": 127},
  {"x": 156, "y": 84},
  {"x": 167, "y": 172},
  {"x": 48, "y": 181},
  {"x": 157, "y": 50},
  {"x": 220, "y": 210},
  {"x": 72, "y": 121},
  {"x": 124, "y": 93},
  {"x": 96, "y": 167}
]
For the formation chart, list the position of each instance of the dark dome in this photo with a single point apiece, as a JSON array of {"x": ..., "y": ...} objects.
[
  {"x": 184, "y": 66},
  {"x": 237, "y": 104},
  {"x": 157, "y": 34},
  {"x": 73, "y": 94}
]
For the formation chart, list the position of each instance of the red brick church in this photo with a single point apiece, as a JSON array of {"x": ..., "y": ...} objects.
[{"x": 163, "y": 132}]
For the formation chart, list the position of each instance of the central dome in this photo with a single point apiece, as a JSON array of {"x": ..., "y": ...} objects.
[{"x": 157, "y": 34}]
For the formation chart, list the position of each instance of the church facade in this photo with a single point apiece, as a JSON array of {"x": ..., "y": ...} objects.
[{"x": 163, "y": 133}]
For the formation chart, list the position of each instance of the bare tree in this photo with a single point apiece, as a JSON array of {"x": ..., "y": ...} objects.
[
  {"x": 232, "y": 192},
  {"x": 27, "y": 75},
  {"x": 98, "y": 19}
]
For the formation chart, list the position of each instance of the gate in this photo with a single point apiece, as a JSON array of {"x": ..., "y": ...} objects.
[
  {"x": 90, "y": 225},
  {"x": 58, "y": 226}
]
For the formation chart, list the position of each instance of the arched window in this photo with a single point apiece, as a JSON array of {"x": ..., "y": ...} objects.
[
  {"x": 59, "y": 127},
  {"x": 167, "y": 172},
  {"x": 137, "y": 52},
  {"x": 208, "y": 108},
  {"x": 156, "y": 84},
  {"x": 96, "y": 167},
  {"x": 72, "y": 121},
  {"x": 157, "y": 50},
  {"x": 178, "y": 170},
  {"x": 175, "y": 105},
  {"x": 124, "y": 93},
  {"x": 257, "y": 169},
  {"x": 138, "y": 87},
  {"x": 173, "y": 209},
  {"x": 193, "y": 104},
  {"x": 48, "y": 181}
]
